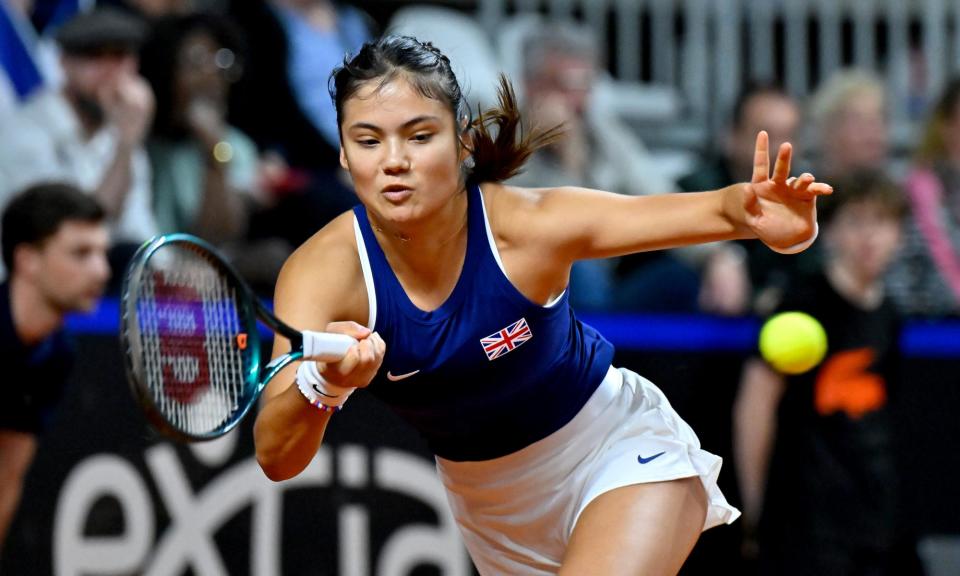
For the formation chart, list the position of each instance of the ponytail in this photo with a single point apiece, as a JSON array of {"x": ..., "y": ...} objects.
[{"x": 501, "y": 145}]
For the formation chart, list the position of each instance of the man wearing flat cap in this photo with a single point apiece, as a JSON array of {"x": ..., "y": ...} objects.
[{"x": 90, "y": 132}]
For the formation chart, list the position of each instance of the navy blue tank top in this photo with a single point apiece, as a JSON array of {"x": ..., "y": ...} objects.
[{"x": 488, "y": 372}]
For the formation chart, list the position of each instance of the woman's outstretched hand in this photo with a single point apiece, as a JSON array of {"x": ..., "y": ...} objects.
[{"x": 781, "y": 210}]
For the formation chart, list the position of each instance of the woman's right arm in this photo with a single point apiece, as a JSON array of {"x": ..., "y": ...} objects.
[{"x": 320, "y": 288}]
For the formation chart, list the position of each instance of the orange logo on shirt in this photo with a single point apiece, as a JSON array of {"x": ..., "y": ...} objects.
[{"x": 845, "y": 384}]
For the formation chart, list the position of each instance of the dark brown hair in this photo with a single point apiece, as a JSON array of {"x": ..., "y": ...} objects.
[
  {"x": 497, "y": 138},
  {"x": 36, "y": 214},
  {"x": 862, "y": 186},
  {"x": 159, "y": 62}
]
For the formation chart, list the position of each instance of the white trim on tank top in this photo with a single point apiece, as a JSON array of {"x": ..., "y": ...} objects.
[
  {"x": 496, "y": 253},
  {"x": 367, "y": 274}
]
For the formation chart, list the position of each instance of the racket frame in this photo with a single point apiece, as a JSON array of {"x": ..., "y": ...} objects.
[{"x": 249, "y": 309}]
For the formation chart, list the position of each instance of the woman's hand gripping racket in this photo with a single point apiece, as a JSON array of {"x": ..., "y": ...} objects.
[{"x": 192, "y": 345}]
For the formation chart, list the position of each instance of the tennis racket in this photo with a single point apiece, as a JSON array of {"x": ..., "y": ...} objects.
[{"x": 191, "y": 340}]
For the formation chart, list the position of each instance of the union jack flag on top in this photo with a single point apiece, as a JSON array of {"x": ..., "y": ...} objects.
[{"x": 506, "y": 339}]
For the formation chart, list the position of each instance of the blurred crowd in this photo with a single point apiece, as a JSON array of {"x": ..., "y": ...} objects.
[
  {"x": 169, "y": 117},
  {"x": 214, "y": 118}
]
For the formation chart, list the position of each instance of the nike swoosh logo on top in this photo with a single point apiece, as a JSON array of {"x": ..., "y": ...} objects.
[
  {"x": 643, "y": 460},
  {"x": 398, "y": 377}
]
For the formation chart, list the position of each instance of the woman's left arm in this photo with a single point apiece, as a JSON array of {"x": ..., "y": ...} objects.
[{"x": 778, "y": 210}]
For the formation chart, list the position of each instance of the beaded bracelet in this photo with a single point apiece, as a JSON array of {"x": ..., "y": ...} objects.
[{"x": 323, "y": 407}]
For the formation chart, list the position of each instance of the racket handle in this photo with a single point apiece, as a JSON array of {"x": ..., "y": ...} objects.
[{"x": 325, "y": 346}]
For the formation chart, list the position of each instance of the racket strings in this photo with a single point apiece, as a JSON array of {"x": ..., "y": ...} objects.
[
  {"x": 189, "y": 322},
  {"x": 226, "y": 361}
]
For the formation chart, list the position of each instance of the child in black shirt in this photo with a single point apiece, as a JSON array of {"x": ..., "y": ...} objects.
[{"x": 814, "y": 452}]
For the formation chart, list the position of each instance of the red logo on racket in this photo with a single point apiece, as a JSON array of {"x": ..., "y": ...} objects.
[{"x": 181, "y": 330}]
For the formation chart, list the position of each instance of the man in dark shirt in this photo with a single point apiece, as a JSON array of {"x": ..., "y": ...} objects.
[
  {"x": 732, "y": 271},
  {"x": 54, "y": 241}
]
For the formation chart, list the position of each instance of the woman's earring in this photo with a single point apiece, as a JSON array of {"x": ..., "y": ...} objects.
[{"x": 469, "y": 163}]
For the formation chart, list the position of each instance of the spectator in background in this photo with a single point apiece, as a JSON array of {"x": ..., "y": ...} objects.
[
  {"x": 727, "y": 275},
  {"x": 54, "y": 246},
  {"x": 816, "y": 452},
  {"x": 926, "y": 278},
  {"x": 758, "y": 107},
  {"x": 850, "y": 119},
  {"x": 298, "y": 43},
  {"x": 560, "y": 69},
  {"x": 206, "y": 172},
  {"x": 204, "y": 169},
  {"x": 282, "y": 102},
  {"x": 90, "y": 133},
  {"x": 320, "y": 33}
]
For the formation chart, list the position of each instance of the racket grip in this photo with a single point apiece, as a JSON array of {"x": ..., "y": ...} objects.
[{"x": 325, "y": 346}]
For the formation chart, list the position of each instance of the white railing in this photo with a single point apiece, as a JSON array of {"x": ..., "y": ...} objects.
[{"x": 707, "y": 49}]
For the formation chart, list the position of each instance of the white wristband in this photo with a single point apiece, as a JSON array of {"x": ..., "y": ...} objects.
[
  {"x": 318, "y": 391},
  {"x": 800, "y": 246}
]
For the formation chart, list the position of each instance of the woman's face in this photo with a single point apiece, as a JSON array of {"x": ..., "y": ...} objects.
[
  {"x": 401, "y": 150},
  {"x": 200, "y": 72}
]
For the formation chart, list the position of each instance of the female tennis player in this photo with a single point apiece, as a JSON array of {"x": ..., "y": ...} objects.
[{"x": 455, "y": 286}]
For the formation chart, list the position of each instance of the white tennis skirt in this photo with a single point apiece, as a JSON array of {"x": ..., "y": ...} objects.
[{"x": 517, "y": 512}]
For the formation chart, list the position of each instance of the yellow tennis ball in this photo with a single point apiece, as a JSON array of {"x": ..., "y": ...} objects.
[{"x": 793, "y": 342}]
